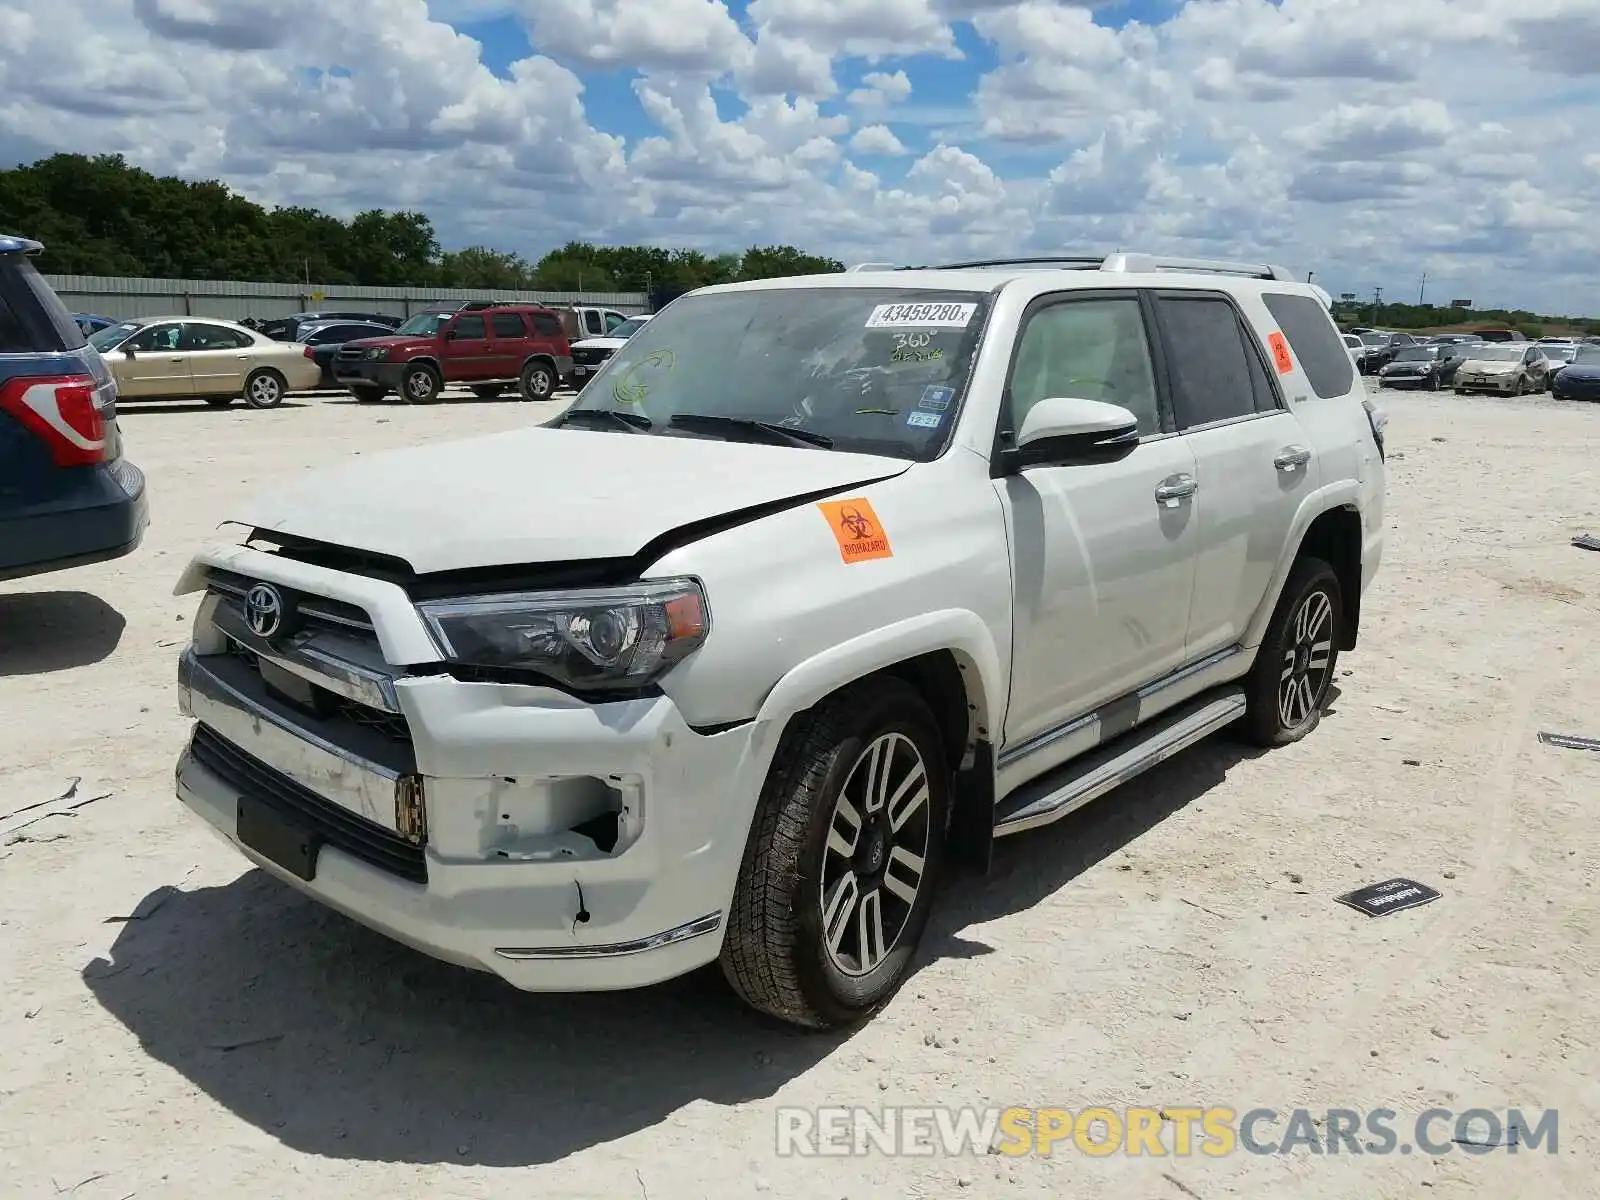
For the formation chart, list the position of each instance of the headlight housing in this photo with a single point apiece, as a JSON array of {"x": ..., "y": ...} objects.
[
  {"x": 377, "y": 352},
  {"x": 590, "y": 640}
]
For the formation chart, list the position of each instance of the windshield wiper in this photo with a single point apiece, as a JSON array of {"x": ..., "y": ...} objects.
[
  {"x": 632, "y": 422},
  {"x": 772, "y": 434}
]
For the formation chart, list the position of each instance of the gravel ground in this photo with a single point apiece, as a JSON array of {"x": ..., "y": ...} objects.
[{"x": 172, "y": 1025}]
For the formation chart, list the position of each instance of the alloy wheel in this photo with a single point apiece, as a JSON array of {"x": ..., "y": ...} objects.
[
  {"x": 264, "y": 391},
  {"x": 876, "y": 854},
  {"x": 1306, "y": 660}
]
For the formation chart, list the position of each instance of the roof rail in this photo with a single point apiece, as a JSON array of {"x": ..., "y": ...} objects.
[
  {"x": 1149, "y": 264},
  {"x": 11, "y": 244},
  {"x": 1081, "y": 262}
]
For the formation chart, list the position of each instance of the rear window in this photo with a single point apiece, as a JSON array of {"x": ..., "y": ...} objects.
[
  {"x": 32, "y": 317},
  {"x": 1315, "y": 342},
  {"x": 546, "y": 326}
]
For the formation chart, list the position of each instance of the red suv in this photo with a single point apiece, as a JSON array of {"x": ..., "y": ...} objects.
[{"x": 485, "y": 347}]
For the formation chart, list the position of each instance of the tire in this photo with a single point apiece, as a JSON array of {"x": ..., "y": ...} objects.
[
  {"x": 1433, "y": 383},
  {"x": 264, "y": 389},
  {"x": 1522, "y": 385},
  {"x": 1461, "y": 391},
  {"x": 369, "y": 395},
  {"x": 1295, "y": 666},
  {"x": 538, "y": 381},
  {"x": 218, "y": 401},
  {"x": 488, "y": 391},
  {"x": 420, "y": 384},
  {"x": 794, "y": 882}
]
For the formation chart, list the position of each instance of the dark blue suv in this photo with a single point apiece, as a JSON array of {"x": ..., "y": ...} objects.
[{"x": 67, "y": 496}]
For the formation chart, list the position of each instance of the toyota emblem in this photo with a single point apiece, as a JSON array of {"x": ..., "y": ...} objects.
[{"x": 263, "y": 610}]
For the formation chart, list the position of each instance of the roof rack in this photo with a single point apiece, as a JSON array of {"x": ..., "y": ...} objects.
[
  {"x": 1120, "y": 263},
  {"x": 11, "y": 244}
]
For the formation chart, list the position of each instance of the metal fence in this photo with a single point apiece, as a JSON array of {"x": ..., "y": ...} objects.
[{"x": 232, "y": 300}]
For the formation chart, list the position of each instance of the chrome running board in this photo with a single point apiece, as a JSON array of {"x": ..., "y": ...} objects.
[{"x": 1074, "y": 784}]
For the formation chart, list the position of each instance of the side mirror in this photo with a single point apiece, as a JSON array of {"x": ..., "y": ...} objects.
[
  {"x": 1062, "y": 431},
  {"x": 128, "y": 350}
]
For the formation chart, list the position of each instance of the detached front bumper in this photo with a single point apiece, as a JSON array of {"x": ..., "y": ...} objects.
[
  {"x": 362, "y": 372},
  {"x": 518, "y": 790}
]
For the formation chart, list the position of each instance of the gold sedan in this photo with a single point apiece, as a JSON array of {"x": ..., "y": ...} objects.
[{"x": 201, "y": 358}]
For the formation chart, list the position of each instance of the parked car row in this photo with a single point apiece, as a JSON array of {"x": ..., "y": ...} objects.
[
  {"x": 1469, "y": 364},
  {"x": 488, "y": 346}
]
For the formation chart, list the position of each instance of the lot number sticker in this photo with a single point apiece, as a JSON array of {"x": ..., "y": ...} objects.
[
  {"x": 1280, "y": 353},
  {"x": 855, "y": 527},
  {"x": 921, "y": 316}
]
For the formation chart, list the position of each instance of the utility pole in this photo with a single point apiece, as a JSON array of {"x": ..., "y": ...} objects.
[
  {"x": 1377, "y": 302},
  {"x": 1423, "y": 290}
]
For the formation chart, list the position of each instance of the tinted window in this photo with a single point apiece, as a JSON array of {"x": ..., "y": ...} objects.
[
  {"x": 14, "y": 338},
  {"x": 1210, "y": 368},
  {"x": 509, "y": 325},
  {"x": 199, "y": 336},
  {"x": 545, "y": 325},
  {"x": 592, "y": 322},
  {"x": 613, "y": 320},
  {"x": 1088, "y": 349},
  {"x": 157, "y": 337},
  {"x": 335, "y": 333},
  {"x": 1314, "y": 341},
  {"x": 469, "y": 329},
  {"x": 32, "y": 316}
]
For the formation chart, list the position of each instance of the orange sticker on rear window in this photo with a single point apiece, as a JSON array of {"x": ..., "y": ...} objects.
[
  {"x": 1280, "y": 353},
  {"x": 856, "y": 529}
]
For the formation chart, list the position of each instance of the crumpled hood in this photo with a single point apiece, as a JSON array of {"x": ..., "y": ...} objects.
[{"x": 545, "y": 495}]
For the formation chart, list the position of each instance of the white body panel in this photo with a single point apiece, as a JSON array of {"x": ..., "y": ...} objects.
[{"x": 1061, "y": 593}]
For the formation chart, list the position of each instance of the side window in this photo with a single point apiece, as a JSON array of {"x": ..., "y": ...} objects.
[
  {"x": 592, "y": 322},
  {"x": 509, "y": 325},
  {"x": 1312, "y": 337},
  {"x": 469, "y": 329},
  {"x": 200, "y": 336},
  {"x": 1089, "y": 349},
  {"x": 157, "y": 337},
  {"x": 613, "y": 320},
  {"x": 1209, "y": 362},
  {"x": 545, "y": 325},
  {"x": 1261, "y": 385}
]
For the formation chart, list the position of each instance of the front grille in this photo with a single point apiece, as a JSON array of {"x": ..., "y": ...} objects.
[
  {"x": 329, "y": 822},
  {"x": 590, "y": 356},
  {"x": 313, "y": 611}
]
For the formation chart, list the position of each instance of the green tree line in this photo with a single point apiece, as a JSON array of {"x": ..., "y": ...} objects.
[
  {"x": 102, "y": 216},
  {"x": 1439, "y": 319}
]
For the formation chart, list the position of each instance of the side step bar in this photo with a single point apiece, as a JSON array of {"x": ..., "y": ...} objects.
[{"x": 1074, "y": 784}]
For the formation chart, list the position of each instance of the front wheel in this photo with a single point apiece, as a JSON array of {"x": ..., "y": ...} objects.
[
  {"x": 264, "y": 389},
  {"x": 1289, "y": 683},
  {"x": 420, "y": 385},
  {"x": 842, "y": 860},
  {"x": 538, "y": 381}
]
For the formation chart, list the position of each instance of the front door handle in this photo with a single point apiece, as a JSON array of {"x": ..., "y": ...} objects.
[
  {"x": 1292, "y": 458},
  {"x": 176, "y": 359},
  {"x": 1175, "y": 488}
]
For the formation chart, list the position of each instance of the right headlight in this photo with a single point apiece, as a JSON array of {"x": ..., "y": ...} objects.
[{"x": 599, "y": 639}]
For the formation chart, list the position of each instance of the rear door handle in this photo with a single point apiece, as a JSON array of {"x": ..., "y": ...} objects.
[
  {"x": 1175, "y": 488},
  {"x": 1292, "y": 458}
]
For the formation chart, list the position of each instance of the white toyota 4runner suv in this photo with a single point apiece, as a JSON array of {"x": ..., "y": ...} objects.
[{"x": 823, "y": 583}]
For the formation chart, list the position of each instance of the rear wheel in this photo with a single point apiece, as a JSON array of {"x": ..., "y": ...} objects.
[
  {"x": 420, "y": 384},
  {"x": 842, "y": 860},
  {"x": 1294, "y": 667},
  {"x": 264, "y": 389},
  {"x": 369, "y": 395},
  {"x": 538, "y": 381}
]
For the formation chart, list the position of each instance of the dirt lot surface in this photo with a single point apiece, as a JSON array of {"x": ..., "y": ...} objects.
[{"x": 174, "y": 1025}]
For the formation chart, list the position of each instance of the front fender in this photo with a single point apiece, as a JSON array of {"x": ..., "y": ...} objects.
[{"x": 959, "y": 631}]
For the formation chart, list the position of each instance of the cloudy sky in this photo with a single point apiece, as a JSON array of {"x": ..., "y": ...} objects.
[{"x": 1369, "y": 141}]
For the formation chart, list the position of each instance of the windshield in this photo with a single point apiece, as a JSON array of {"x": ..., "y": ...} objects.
[
  {"x": 111, "y": 335},
  {"x": 874, "y": 370},
  {"x": 1352, "y": 341},
  {"x": 1559, "y": 353},
  {"x": 1416, "y": 354},
  {"x": 629, "y": 327},
  {"x": 1498, "y": 353},
  {"x": 425, "y": 324},
  {"x": 1375, "y": 339},
  {"x": 1587, "y": 355}
]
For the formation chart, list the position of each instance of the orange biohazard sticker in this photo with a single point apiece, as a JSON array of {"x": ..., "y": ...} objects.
[
  {"x": 1280, "y": 353},
  {"x": 856, "y": 529}
]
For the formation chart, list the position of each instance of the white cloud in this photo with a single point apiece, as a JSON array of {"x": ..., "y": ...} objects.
[
  {"x": 877, "y": 139},
  {"x": 1359, "y": 138}
]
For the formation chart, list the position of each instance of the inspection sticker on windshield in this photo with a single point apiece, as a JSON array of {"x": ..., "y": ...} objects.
[
  {"x": 924, "y": 420},
  {"x": 936, "y": 397},
  {"x": 856, "y": 529},
  {"x": 922, "y": 316}
]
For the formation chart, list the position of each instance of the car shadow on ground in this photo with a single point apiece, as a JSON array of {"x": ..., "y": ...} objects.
[
  {"x": 139, "y": 408},
  {"x": 42, "y": 632},
  {"x": 341, "y": 1043}
]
